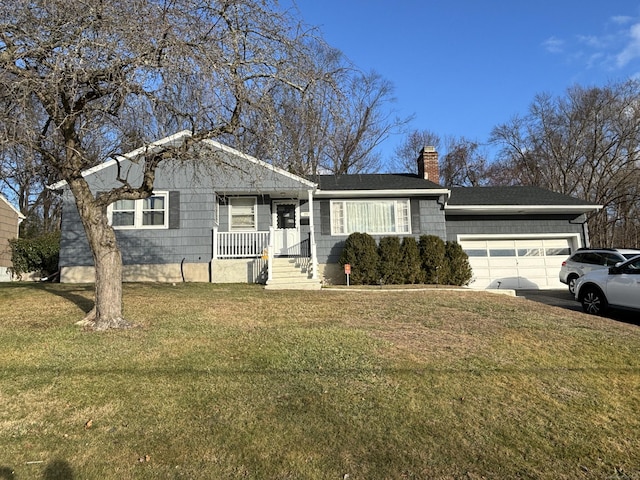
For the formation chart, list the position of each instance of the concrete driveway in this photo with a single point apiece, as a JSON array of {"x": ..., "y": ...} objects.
[
  {"x": 563, "y": 299},
  {"x": 557, "y": 298}
]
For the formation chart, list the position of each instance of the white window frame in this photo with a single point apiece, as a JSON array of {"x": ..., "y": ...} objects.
[
  {"x": 254, "y": 228},
  {"x": 400, "y": 205},
  {"x": 138, "y": 216}
]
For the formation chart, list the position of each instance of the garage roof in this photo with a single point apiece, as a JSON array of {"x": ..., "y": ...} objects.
[{"x": 514, "y": 199}]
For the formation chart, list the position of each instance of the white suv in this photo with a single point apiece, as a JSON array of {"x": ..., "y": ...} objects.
[
  {"x": 585, "y": 260},
  {"x": 616, "y": 287}
]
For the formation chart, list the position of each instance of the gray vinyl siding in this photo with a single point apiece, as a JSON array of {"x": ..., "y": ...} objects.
[
  {"x": 510, "y": 225},
  {"x": 192, "y": 210},
  {"x": 192, "y": 242},
  {"x": 427, "y": 218}
]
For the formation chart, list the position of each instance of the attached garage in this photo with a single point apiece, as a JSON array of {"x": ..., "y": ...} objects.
[
  {"x": 519, "y": 263},
  {"x": 516, "y": 237}
]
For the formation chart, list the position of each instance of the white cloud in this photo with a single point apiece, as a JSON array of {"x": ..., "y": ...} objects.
[
  {"x": 616, "y": 47},
  {"x": 632, "y": 49},
  {"x": 622, "y": 19},
  {"x": 554, "y": 45},
  {"x": 593, "y": 41}
]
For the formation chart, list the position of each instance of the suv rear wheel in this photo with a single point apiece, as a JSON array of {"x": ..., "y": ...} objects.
[
  {"x": 593, "y": 301},
  {"x": 571, "y": 282}
]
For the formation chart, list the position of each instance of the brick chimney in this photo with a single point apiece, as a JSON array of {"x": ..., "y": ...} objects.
[{"x": 428, "y": 164}]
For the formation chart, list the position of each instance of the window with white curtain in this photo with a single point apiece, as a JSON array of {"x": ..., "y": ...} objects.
[
  {"x": 149, "y": 212},
  {"x": 243, "y": 214},
  {"x": 376, "y": 217}
]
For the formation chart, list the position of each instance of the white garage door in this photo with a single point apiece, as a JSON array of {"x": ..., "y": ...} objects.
[{"x": 519, "y": 263}]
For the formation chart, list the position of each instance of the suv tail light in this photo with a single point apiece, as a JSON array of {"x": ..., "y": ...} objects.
[{"x": 564, "y": 264}]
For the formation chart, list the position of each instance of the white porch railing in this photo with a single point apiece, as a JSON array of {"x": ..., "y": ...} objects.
[
  {"x": 261, "y": 245},
  {"x": 239, "y": 244}
]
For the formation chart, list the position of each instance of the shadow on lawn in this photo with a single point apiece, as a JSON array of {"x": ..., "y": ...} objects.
[
  {"x": 6, "y": 473},
  {"x": 55, "y": 470},
  {"x": 58, "y": 470},
  {"x": 73, "y": 293}
]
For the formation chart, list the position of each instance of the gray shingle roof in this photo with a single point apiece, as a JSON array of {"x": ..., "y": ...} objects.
[
  {"x": 374, "y": 181},
  {"x": 515, "y": 195}
]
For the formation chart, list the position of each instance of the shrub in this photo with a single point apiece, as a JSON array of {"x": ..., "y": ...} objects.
[
  {"x": 433, "y": 259},
  {"x": 391, "y": 267},
  {"x": 39, "y": 254},
  {"x": 361, "y": 252},
  {"x": 411, "y": 263},
  {"x": 458, "y": 268}
]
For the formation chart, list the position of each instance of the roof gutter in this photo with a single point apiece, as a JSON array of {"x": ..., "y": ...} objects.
[
  {"x": 421, "y": 192},
  {"x": 518, "y": 209},
  {"x": 172, "y": 140}
]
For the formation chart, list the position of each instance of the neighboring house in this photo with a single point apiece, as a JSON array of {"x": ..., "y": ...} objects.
[
  {"x": 10, "y": 219},
  {"x": 232, "y": 218}
]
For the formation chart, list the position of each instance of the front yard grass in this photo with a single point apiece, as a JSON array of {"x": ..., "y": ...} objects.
[{"x": 238, "y": 382}]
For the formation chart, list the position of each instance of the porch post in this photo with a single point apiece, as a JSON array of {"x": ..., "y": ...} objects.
[
  {"x": 214, "y": 253},
  {"x": 312, "y": 239},
  {"x": 270, "y": 255}
]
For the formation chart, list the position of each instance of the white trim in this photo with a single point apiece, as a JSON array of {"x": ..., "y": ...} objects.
[
  {"x": 255, "y": 213},
  {"x": 281, "y": 201},
  {"x": 20, "y": 215},
  {"x": 254, "y": 160},
  {"x": 518, "y": 209},
  {"x": 129, "y": 155},
  {"x": 517, "y": 236},
  {"x": 422, "y": 192},
  {"x": 516, "y": 271},
  {"x": 216, "y": 203},
  {"x": 179, "y": 136},
  {"x": 395, "y": 202},
  {"x": 138, "y": 214},
  {"x": 281, "y": 235}
]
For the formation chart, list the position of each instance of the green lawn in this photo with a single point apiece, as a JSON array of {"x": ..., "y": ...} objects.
[{"x": 220, "y": 382}]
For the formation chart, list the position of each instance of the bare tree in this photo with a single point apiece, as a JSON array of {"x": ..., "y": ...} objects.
[
  {"x": 406, "y": 154},
  {"x": 88, "y": 79},
  {"x": 24, "y": 178},
  {"x": 464, "y": 164},
  {"x": 361, "y": 121},
  {"x": 585, "y": 144},
  {"x": 294, "y": 126},
  {"x": 334, "y": 125}
]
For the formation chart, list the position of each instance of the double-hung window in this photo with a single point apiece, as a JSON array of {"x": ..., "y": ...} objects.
[
  {"x": 376, "y": 217},
  {"x": 152, "y": 212},
  {"x": 243, "y": 214}
]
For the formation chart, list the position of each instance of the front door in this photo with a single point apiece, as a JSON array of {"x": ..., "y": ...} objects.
[{"x": 286, "y": 215}]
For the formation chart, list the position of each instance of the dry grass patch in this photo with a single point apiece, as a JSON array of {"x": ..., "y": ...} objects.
[{"x": 239, "y": 382}]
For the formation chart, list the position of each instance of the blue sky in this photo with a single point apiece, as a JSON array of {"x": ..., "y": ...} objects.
[{"x": 464, "y": 66}]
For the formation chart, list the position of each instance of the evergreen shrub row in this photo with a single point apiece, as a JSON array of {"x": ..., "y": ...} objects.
[
  {"x": 39, "y": 254},
  {"x": 428, "y": 260}
]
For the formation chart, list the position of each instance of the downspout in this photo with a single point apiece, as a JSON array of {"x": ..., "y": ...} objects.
[{"x": 585, "y": 229}]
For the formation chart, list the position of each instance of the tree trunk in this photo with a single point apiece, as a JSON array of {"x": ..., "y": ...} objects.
[
  {"x": 108, "y": 287},
  {"x": 107, "y": 310}
]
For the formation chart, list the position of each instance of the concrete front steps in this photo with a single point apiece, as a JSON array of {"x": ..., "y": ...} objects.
[{"x": 291, "y": 274}]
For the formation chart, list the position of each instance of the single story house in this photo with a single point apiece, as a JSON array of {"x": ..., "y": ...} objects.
[
  {"x": 10, "y": 219},
  {"x": 230, "y": 217}
]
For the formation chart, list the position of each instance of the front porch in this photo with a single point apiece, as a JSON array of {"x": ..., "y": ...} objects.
[{"x": 257, "y": 256}]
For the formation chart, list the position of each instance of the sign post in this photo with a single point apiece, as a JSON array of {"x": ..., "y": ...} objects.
[{"x": 347, "y": 271}]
